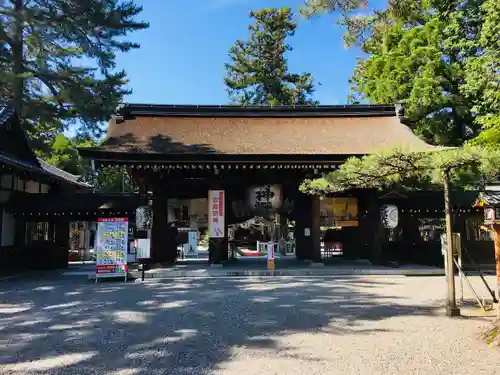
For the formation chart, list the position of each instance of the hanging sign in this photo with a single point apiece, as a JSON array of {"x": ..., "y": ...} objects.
[
  {"x": 216, "y": 202},
  {"x": 265, "y": 197},
  {"x": 111, "y": 249}
]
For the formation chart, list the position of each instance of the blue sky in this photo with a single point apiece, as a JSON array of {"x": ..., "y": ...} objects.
[{"x": 182, "y": 54}]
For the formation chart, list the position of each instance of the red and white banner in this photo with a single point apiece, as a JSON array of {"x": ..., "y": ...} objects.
[{"x": 216, "y": 209}]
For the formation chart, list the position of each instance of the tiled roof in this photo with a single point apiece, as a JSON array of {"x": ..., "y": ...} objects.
[
  {"x": 490, "y": 197},
  {"x": 62, "y": 174}
]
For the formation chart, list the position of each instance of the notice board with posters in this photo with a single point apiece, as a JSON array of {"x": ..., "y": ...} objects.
[{"x": 111, "y": 249}]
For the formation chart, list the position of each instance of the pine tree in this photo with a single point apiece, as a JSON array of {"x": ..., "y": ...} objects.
[
  {"x": 258, "y": 73},
  {"x": 57, "y": 62}
]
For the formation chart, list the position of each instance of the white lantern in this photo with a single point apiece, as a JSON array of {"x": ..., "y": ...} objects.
[
  {"x": 143, "y": 218},
  {"x": 389, "y": 215}
]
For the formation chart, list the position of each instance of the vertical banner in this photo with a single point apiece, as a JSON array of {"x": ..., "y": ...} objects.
[
  {"x": 270, "y": 251},
  {"x": 270, "y": 256},
  {"x": 111, "y": 249},
  {"x": 216, "y": 205}
]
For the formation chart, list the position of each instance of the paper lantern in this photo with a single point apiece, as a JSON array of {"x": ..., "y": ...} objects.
[
  {"x": 143, "y": 218},
  {"x": 389, "y": 215}
]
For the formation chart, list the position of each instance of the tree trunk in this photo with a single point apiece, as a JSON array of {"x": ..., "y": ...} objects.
[
  {"x": 451, "y": 304},
  {"x": 17, "y": 54}
]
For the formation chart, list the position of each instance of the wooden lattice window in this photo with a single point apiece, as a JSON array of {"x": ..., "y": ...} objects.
[
  {"x": 473, "y": 231},
  {"x": 38, "y": 232}
]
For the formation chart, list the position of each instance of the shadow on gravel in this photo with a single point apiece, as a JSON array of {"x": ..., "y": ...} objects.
[{"x": 176, "y": 327}]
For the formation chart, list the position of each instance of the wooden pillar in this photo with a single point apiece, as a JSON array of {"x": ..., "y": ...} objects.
[
  {"x": 307, "y": 228},
  {"x": 159, "y": 229},
  {"x": 22, "y": 257},
  {"x": 61, "y": 241},
  {"x": 315, "y": 229},
  {"x": 496, "y": 237},
  {"x": 372, "y": 229}
]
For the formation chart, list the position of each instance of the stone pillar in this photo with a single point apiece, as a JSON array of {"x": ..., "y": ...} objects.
[
  {"x": 307, "y": 228},
  {"x": 217, "y": 219}
]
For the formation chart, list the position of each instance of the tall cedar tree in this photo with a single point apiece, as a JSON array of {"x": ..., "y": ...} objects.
[
  {"x": 258, "y": 73},
  {"x": 57, "y": 63},
  {"x": 312, "y": 7},
  {"x": 483, "y": 76},
  {"x": 420, "y": 52}
]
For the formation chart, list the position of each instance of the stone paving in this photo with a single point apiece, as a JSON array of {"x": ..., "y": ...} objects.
[{"x": 237, "y": 326}]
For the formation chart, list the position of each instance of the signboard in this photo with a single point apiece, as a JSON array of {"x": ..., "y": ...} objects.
[
  {"x": 143, "y": 248},
  {"x": 216, "y": 208},
  {"x": 266, "y": 197},
  {"x": 192, "y": 245},
  {"x": 111, "y": 249}
]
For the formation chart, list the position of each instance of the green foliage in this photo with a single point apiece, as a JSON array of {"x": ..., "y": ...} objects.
[
  {"x": 312, "y": 7},
  {"x": 483, "y": 76},
  {"x": 465, "y": 166},
  {"x": 421, "y": 63},
  {"x": 57, "y": 63},
  {"x": 438, "y": 57},
  {"x": 114, "y": 180},
  {"x": 258, "y": 73},
  {"x": 64, "y": 154}
]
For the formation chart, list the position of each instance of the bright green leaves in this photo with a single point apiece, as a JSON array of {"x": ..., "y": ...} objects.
[{"x": 400, "y": 168}]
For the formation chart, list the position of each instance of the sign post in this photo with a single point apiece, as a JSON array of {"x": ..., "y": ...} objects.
[
  {"x": 112, "y": 242},
  {"x": 270, "y": 256},
  {"x": 192, "y": 245},
  {"x": 143, "y": 248}
]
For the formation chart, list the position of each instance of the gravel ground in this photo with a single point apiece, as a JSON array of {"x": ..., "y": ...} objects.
[{"x": 230, "y": 326}]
